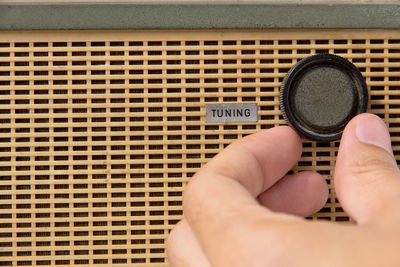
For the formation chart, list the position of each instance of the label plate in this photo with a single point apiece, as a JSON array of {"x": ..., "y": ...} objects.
[{"x": 221, "y": 113}]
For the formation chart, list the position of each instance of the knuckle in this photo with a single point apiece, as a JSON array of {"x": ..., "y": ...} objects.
[
  {"x": 371, "y": 169},
  {"x": 190, "y": 193}
]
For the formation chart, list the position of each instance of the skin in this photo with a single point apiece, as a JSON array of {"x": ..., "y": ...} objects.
[{"x": 241, "y": 209}]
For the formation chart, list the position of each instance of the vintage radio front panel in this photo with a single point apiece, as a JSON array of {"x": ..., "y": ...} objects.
[{"x": 103, "y": 112}]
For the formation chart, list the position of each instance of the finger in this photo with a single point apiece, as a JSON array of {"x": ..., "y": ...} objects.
[
  {"x": 259, "y": 160},
  {"x": 301, "y": 194},
  {"x": 221, "y": 196},
  {"x": 183, "y": 248},
  {"x": 367, "y": 179}
]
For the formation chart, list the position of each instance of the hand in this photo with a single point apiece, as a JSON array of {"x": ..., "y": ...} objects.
[{"x": 242, "y": 210}]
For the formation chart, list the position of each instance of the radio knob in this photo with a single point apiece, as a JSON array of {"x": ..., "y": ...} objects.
[{"x": 321, "y": 94}]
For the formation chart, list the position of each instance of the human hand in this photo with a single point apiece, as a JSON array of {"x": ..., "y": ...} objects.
[{"x": 240, "y": 209}]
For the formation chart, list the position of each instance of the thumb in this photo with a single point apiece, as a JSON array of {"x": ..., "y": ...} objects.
[{"x": 367, "y": 179}]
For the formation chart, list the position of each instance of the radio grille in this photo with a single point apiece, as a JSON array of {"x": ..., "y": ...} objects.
[{"x": 100, "y": 131}]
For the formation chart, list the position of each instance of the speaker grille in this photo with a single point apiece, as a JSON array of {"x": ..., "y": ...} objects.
[{"x": 100, "y": 131}]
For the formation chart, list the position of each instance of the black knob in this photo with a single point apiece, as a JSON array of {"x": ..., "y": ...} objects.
[{"x": 321, "y": 94}]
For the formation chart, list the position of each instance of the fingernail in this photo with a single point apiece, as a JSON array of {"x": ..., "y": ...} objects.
[{"x": 372, "y": 130}]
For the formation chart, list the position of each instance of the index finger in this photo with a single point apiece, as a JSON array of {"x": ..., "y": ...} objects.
[
  {"x": 257, "y": 161},
  {"x": 222, "y": 194}
]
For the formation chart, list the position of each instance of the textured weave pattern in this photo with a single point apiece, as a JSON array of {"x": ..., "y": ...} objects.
[{"x": 100, "y": 131}]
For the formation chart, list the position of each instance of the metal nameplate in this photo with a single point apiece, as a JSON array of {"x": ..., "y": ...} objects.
[{"x": 221, "y": 113}]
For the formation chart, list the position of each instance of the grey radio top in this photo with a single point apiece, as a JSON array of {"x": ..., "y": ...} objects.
[{"x": 135, "y": 15}]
